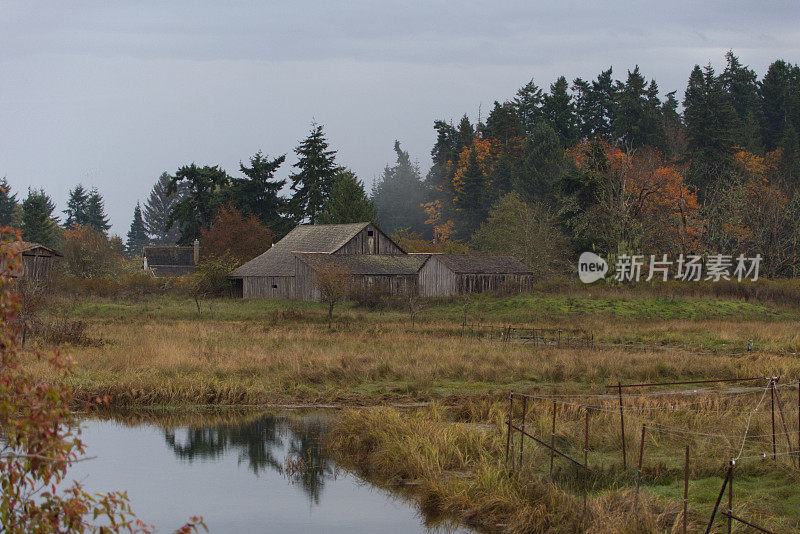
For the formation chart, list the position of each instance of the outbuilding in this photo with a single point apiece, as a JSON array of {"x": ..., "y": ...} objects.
[{"x": 444, "y": 275}]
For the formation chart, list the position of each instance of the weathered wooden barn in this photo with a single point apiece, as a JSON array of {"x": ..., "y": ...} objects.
[
  {"x": 444, "y": 275},
  {"x": 390, "y": 274},
  {"x": 37, "y": 261},
  {"x": 169, "y": 260},
  {"x": 273, "y": 273}
]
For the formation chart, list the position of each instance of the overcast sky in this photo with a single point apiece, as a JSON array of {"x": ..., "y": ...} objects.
[{"x": 111, "y": 94}]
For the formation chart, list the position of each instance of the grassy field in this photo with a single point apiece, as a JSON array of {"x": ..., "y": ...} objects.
[{"x": 161, "y": 351}]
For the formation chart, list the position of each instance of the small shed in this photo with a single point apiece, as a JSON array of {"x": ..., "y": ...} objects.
[
  {"x": 389, "y": 274},
  {"x": 445, "y": 275},
  {"x": 37, "y": 260},
  {"x": 165, "y": 261}
]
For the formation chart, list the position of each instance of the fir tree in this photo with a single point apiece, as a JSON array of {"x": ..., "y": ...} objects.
[
  {"x": 158, "y": 208},
  {"x": 96, "y": 212},
  {"x": 398, "y": 195},
  {"x": 638, "y": 114},
  {"x": 137, "y": 236},
  {"x": 312, "y": 182},
  {"x": 472, "y": 197},
  {"x": 258, "y": 193},
  {"x": 77, "y": 207},
  {"x": 540, "y": 165},
  {"x": 596, "y": 105},
  {"x": 780, "y": 101},
  {"x": 559, "y": 111},
  {"x": 741, "y": 84},
  {"x": 503, "y": 124},
  {"x": 198, "y": 207},
  {"x": 38, "y": 223},
  {"x": 528, "y": 105},
  {"x": 347, "y": 202},
  {"x": 8, "y": 204}
]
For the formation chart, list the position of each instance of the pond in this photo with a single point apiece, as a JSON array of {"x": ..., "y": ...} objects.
[{"x": 264, "y": 474}]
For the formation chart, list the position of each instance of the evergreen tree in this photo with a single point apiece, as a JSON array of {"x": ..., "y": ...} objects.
[
  {"x": 8, "y": 204},
  {"x": 559, "y": 112},
  {"x": 503, "y": 124},
  {"x": 198, "y": 207},
  {"x": 157, "y": 209},
  {"x": 540, "y": 165},
  {"x": 96, "y": 212},
  {"x": 502, "y": 178},
  {"x": 312, "y": 182},
  {"x": 741, "y": 84},
  {"x": 471, "y": 203},
  {"x": 465, "y": 135},
  {"x": 780, "y": 102},
  {"x": 38, "y": 223},
  {"x": 712, "y": 126},
  {"x": 790, "y": 158},
  {"x": 528, "y": 105},
  {"x": 398, "y": 195},
  {"x": 258, "y": 193},
  {"x": 595, "y": 105},
  {"x": 347, "y": 202},
  {"x": 77, "y": 206},
  {"x": 672, "y": 125},
  {"x": 638, "y": 115},
  {"x": 137, "y": 235}
]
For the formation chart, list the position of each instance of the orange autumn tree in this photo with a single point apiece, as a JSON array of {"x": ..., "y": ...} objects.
[
  {"x": 485, "y": 151},
  {"x": 234, "y": 235},
  {"x": 641, "y": 203}
]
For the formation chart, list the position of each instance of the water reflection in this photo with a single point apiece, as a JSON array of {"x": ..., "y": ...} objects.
[{"x": 265, "y": 443}]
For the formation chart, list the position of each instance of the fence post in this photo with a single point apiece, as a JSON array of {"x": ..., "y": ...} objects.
[
  {"x": 522, "y": 427},
  {"x": 639, "y": 471},
  {"x": 730, "y": 498},
  {"x": 622, "y": 426},
  {"x": 685, "y": 489},
  {"x": 585, "y": 462},
  {"x": 508, "y": 435},
  {"x": 798, "y": 424},
  {"x": 785, "y": 428},
  {"x": 719, "y": 497},
  {"x": 772, "y": 396},
  {"x": 553, "y": 439}
]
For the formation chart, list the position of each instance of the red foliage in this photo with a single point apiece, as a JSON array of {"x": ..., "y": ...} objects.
[{"x": 232, "y": 234}]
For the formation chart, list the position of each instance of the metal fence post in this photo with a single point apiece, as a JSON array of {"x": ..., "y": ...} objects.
[{"x": 622, "y": 427}]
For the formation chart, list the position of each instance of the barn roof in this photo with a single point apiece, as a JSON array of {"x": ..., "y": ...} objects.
[
  {"x": 28, "y": 248},
  {"x": 370, "y": 264},
  {"x": 279, "y": 260},
  {"x": 169, "y": 255},
  {"x": 482, "y": 264}
]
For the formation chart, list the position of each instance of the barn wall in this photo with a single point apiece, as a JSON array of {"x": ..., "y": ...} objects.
[
  {"x": 268, "y": 287},
  {"x": 305, "y": 288},
  {"x": 479, "y": 283},
  {"x": 37, "y": 267},
  {"x": 436, "y": 280},
  {"x": 395, "y": 285},
  {"x": 363, "y": 243}
]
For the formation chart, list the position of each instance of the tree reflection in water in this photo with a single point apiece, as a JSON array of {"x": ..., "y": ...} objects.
[{"x": 268, "y": 442}]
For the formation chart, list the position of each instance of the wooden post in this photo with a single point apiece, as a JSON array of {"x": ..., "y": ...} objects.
[
  {"x": 798, "y": 424},
  {"x": 553, "y": 439},
  {"x": 685, "y": 489},
  {"x": 728, "y": 475},
  {"x": 522, "y": 433},
  {"x": 622, "y": 426},
  {"x": 508, "y": 435},
  {"x": 730, "y": 498},
  {"x": 585, "y": 463},
  {"x": 772, "y": 396},
  {"x": 639, "y": 470}
]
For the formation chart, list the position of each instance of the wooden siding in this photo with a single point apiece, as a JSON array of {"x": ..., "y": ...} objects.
[
  {"x": 306, "y": 288},
  {"x": 268, "y": 287},
  {"x": 436, "y": 280},
  {"x": 479, "y": 283},
  {"x": 363, "y": 243},
  {"x": 37, "y": 267}
]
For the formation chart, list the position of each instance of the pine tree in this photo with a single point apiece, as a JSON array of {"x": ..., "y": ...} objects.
[
  {"x": 398, "y": 195},
  {"x": 77, "y": 206},
  {"x": 741, "y": 84},
  {"x": 137, "y": 236},
  {"x": 780, "y": 102},
  {"x": 96, "y": 217},
  {"x": 258, "y": 193},
  {"x": 347, "y": 202},
  {"x": 38, "y": 223},
  {"x": 312, "y": 182},
  {"x": 528, "y": 104},
  {"x": 559, "y": 112},
  {"x": 8, "y": 204},
  {"x": 503, "y": 124},
  {"x": 158, "y": 208},
  {"x": 596, "y": 105}
]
